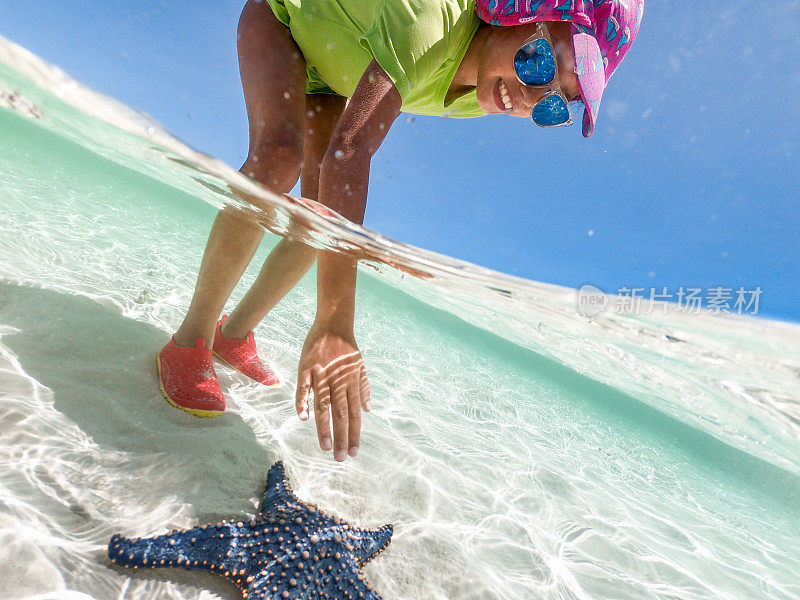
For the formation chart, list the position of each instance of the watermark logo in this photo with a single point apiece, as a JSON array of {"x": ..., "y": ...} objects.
[{"x": 591, "y": 300}]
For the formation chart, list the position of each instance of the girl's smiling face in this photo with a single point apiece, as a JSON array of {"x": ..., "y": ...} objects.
[{"x": 496, "y": 77}]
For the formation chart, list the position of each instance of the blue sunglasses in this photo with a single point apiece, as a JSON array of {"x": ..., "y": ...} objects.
[{"x": 536, "y": 65}]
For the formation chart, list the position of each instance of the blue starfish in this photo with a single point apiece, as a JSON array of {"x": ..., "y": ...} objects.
[{"x": 290, "y": 550}]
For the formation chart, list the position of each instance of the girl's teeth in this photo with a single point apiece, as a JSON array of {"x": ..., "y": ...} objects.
[{"x": 505, "y": 97}]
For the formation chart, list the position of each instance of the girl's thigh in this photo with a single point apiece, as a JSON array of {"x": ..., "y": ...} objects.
[{"x": 274, "y": 80}]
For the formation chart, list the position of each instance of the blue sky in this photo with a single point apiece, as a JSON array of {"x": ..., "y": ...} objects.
[{"x": 692, "y": 178}]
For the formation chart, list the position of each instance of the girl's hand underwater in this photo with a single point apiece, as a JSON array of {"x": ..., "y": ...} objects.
[{"x": 331, "y": 366}]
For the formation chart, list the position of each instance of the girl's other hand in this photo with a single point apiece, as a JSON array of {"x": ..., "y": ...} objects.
[{"x": 332, "y": 367}]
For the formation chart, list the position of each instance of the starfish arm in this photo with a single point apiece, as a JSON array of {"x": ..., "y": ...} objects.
[
  {"x": 278, "y": 491},
  {"x": 326, "y": 571},
  {"x": 368, "y": 543},
  {"x": 208, "y": 548}
]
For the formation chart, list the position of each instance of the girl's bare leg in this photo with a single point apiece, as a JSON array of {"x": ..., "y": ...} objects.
[
  {"x": 290, "y": 259},
  {"x": 273, "y": 77}
]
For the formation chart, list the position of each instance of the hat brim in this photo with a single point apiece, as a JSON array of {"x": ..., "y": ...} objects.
[{"x": 591, "y": 75}]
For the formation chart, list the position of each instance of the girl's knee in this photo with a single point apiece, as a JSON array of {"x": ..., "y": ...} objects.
[{"x": 275, "y": 163}]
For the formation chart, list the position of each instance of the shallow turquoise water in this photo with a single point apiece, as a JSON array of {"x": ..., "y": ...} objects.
[{"x": 520, "y": 449}]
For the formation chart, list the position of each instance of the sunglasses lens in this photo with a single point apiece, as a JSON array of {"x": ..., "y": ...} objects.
[
  {"x": 550, "y": 111},
  {"x": 535, "y": 63}
]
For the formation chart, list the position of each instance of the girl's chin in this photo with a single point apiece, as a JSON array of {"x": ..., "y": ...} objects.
[{"x": 487, "y": 104}]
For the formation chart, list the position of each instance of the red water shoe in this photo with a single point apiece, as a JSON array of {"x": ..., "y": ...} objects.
[
  {"x": 188, "y": 380},
  {"x": 242, "y": 356}
]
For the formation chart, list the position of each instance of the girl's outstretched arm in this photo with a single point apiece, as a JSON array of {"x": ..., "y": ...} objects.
[{"x": 331, "y": 364}]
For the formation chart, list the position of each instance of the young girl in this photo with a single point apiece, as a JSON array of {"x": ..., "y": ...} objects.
[{"x": 300, "y": 61}]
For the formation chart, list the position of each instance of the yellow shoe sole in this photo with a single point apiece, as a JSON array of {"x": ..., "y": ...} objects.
[{"x": 192, "y": 411}]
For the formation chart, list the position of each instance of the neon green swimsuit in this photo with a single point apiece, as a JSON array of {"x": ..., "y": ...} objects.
[{"x": 419, "y": 43}]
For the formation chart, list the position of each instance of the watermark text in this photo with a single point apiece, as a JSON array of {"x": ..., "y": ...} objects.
[{"x": 591, "y": 300}]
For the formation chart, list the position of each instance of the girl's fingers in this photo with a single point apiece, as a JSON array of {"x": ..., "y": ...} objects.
[
  {"x": 301, "y": 394},
  {"x": 364, "y": 391},
  {"x": 339, "y": 397},
  {"x": 322, "y": 402},
  {"x": 339, "y": 411},
  {"x": 354, "y": 418}
]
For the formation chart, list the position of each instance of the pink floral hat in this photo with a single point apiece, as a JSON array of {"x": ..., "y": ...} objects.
[{"x": 602, "y": 33}]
